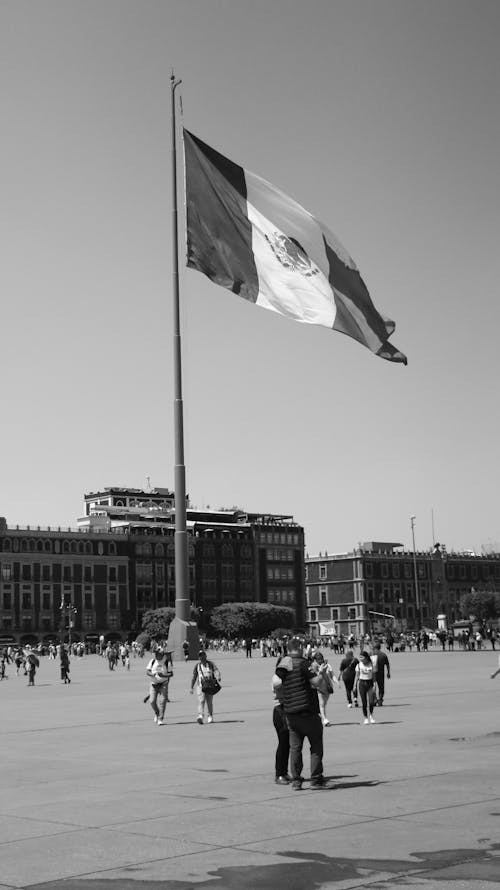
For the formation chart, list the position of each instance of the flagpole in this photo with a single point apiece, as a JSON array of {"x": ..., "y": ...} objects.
[{"x": 182, "y": 602}]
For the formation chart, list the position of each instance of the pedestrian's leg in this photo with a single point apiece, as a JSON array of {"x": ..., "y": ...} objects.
[
  {"x": 371, "y": 700},
  {"x": 315, "y": 736},
  {"x": 348, "y": 691},
  {"x": 162, "y": 695},
  {"x": 153, "y": 696},
  {"x": 296, "y": 741},
  {"x": 210, "y": 706},
  {"x": 380, "y": 688},
  {"x": 201, "y": 706},
  {"x": 323, "y": 699},
  {"x": 283, "y": 749},
  {"x": 363, "y": 697}
]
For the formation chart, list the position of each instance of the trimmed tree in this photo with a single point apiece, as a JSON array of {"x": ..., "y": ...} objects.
[
  {"x": 258, "y": 619},
  {"x": 156, "y": 622},
  {"x": 482, "y": 604}
]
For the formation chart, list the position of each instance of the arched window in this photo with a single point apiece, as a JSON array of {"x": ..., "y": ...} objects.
[
  {"x": 31, "y": 544},
  {"x": 48, "y": 547},
  {"x": 159, "y": 550},
  {"x": 24, "y": 545},
  {"x": 39, "y": 545},
  {"x": 88, "y": 547},
  {"x": 7, "y": 544},
  {"x": 65, "y": 546},
  {"x": 112, "y": 548}
]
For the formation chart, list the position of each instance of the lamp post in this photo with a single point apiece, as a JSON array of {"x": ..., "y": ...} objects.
[
  {"x": 67, "y": 609},
  {"x": 415, "y": 574}
]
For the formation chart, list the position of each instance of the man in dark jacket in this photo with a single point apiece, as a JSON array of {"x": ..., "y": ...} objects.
[
  {"x": 300, "y": 704},
  {"x": 381, "y": 665}
]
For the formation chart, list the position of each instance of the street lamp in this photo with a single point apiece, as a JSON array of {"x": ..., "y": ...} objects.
[
  {"x": 415, "y": 573},
  {"x": 67, "y": 609}
]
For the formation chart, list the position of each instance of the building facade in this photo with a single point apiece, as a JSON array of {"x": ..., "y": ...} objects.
[
  {"x": 101, "y": 577},
  {"x": 381, "y": 585}
]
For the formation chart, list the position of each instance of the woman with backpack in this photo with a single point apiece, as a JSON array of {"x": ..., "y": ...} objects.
[
  {"x": 206, "y": 678},
  {"x": 159, "y": 670}
]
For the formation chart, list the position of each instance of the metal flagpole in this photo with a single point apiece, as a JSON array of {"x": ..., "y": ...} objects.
[
  {"x": 181, "y": 628},
  {"x": 181, "y": 550}
]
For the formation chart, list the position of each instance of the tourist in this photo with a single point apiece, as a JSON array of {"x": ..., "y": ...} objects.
[
  {"x": 206, "y": 677},
  {"x": 347, "y": 673},
  {"x": 364, "y": 682},
  {"x": 159, "y": 670},
  {"x": 325, "y": 688},
  {"x": 300, "y": 703},
  {"x": 281, "y": 726},
  {"x": 381, "y": 666}
]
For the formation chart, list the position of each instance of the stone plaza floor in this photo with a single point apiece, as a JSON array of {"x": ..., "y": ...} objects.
[{"x": 95, "y": 796}]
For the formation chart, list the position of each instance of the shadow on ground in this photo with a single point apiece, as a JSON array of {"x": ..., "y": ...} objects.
[{"x": 312, "y": 870}]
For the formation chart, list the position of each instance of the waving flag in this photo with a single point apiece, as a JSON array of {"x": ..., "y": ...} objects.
[{"x": 248, "y": 236}]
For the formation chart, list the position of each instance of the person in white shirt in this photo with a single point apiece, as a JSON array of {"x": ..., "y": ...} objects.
[{"x": 364, "y": 683}]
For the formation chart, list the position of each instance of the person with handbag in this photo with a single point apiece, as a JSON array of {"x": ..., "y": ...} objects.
[
  {"x": 159, "y": 670},
  {"x": 325, "y": 687},
  {"x": 206, "y": 677}
]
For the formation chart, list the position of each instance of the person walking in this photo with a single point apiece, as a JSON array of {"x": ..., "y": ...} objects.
[
  {"x": 381, "y": 666},
  {"x": 159, "y": 670},
  {"x": 347, "y": 672},
  {"x": 326, "y": 685},
  {"x": 206, "y": 677},
  {"x": 64, "y": 663},
  {"x": 300, "y": 703},
  {"x": 364, "y": 681}
]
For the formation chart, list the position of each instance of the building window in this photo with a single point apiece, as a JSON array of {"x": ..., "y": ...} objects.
[
  {"x": 113, "y": 621},
  {"x": 322, "y": 572},
  {"x": 7, "y": 573},
  {"x": 385, "y": 570},
  {"x": 87, "y": 600},
  {"x": 26, "y": 600},
  {"x": 395, "y": 570},
  {"x": 26, "y": 572},
  {"x": 307, "y": 573},
  {"x": 7, "y": 601},
  {"x": 323, "y": 595},
  {"x": 369, "y": 569},
  {"x": 112, "y": 600},
  {"x": 46, "y": 601},
  {"x": 313, "y": 615},
  {"x": 88, "y": 621}
]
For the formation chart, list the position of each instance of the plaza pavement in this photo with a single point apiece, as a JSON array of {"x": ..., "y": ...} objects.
[{"x": 95, "y": 796}]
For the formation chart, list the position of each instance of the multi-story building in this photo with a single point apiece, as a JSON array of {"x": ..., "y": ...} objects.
[
  {"x": 120, "y": 562},
  {"x": 380, "y": 584}
]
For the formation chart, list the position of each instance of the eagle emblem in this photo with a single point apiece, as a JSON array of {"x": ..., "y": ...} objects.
[{"x": 291, "y": 254}]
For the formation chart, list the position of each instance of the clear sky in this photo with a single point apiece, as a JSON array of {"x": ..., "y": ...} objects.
[{"x": 379, "y": 116}]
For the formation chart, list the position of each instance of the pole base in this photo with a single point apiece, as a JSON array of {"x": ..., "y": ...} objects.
[{"x": 179, "y": 632}]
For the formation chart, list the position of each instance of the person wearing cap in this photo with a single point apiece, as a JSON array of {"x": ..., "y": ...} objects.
[
  {"x": 159, "y": 670},
  {"x": 204, "y": 670},
  {"x": 301, "y": 707}
]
